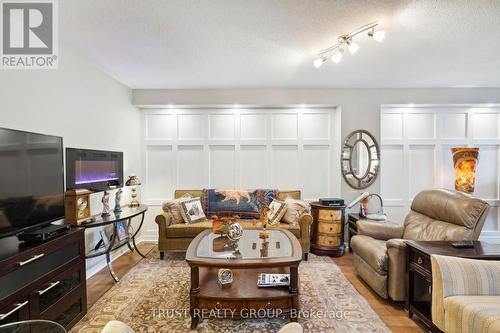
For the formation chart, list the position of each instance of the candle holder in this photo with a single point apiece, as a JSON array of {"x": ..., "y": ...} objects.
[{"x": 133, "y": 182}]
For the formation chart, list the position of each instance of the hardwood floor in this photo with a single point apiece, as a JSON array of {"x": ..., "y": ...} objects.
[
  {"x": 391, "y": 313},
  {"x": 102, "y": 281}
]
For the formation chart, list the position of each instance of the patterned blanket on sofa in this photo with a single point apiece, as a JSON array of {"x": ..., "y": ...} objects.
[{"x": 244, "y": 203}]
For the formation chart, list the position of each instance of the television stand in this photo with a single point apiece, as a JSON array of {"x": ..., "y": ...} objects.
[
  {"x": 43, "y": 280},
  {"x": 43, "y": 234}
]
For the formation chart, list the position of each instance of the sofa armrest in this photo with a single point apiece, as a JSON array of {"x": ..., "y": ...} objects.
[
  {"x": 453, "y": 276},
  {"x": 163, "y": 220},
  {"x": 305, "y": 221},
  {"x": 379, "y": 230}
]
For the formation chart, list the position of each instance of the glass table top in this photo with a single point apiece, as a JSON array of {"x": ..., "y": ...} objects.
[
  {"x": 41, "y": 326},
  {"x": 249, "y": 246}
]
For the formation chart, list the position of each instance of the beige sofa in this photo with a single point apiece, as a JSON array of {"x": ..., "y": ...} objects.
[
  {"x": 177, "y": 237},
  {"x": 465, "y": 295},
  {"x": 379, "y": 250}
]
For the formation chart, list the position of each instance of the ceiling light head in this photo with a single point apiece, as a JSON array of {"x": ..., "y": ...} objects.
[
  {"x": 318, "y": 62},
  {"x": 337, "y": 56},
  {"x": 353, "y": 48},
  {"x": 379, "y": 36}
]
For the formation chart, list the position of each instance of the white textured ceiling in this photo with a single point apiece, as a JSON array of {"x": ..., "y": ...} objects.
[{"x": 272, "y": 43}]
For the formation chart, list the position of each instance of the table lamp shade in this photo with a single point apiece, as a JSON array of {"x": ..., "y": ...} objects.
[{"x": 465, "y": 161}]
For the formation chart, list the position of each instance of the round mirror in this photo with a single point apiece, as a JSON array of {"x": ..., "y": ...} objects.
[{"x": 360, "y": 159}]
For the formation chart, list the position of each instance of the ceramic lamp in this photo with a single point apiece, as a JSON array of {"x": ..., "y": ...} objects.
[{"x": 465, "y": 160}]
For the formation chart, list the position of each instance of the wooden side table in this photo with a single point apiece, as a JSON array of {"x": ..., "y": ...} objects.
[
  {"x": 327, "y": 230},
  {"x": 418, "y": 300}
]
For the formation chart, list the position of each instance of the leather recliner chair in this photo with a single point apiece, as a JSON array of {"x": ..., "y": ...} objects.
[{"x": 379, "y": 250}]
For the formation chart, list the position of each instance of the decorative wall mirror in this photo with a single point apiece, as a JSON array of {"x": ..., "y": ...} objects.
[{"x": 360, "y": 161}]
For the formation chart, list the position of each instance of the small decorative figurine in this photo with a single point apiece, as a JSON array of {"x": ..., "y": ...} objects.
[
  {"x": 264, "y": 251},
  {"x": 225, "y": 277},
  {"x": 105, "y": 204},
  {"x": 118, "y": 198},
  {"x": 234, "y": 231},
  {"x": 264, "y": 219}
]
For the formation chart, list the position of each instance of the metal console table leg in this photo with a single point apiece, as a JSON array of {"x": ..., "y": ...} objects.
[
  {"x": 108, "y": 253},
  {"x": 135, "y": 234}
]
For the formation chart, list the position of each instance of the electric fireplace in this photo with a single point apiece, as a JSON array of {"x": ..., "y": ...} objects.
[{"x": 95, "y": 170}]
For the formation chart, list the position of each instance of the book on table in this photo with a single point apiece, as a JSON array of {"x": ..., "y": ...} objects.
[{"x": 273, "y": 280}]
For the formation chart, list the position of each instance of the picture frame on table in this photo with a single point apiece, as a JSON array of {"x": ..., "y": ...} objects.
[{"x": 121, "y": 229}]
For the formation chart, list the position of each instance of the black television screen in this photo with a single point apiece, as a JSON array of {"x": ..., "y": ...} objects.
[
  {"x": 95, "y": 170},
  {"x": 31, "y": 180}
]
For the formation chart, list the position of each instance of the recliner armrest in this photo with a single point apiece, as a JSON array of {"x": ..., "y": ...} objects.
[{"x": 379, "y": 230}]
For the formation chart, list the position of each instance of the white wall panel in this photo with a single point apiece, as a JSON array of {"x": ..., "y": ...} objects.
[
  {"x": 316, "y": 126},
  {"x": 222, "y": 126},
  {"x": 285, "y": 126},
  {"x": 315, "y": 166},
  {"x": 285, "y": 166},
  {"x": 160, "y": 126},
  {"x": 160, "y": 171},
  {"x": 254, "y": 167},
  {"x": 485, "y": 125},
  {"x": 487, "y": 173},
  {"x": 191, "y": 126},
  {"x": 420, "y": 126},
  {"x": 253, "y": 126},
  {"x": 421, "y": 168},
  {"x": 281, "y": 148},
  {"x": 392, "y": 126},
  {"x": 454, "y": 126},
  {"x": 191, "y": 167},
  {"x": 222, "y": 173},
  {"x": 392, "y": 163},
  {"x": 416, "y": 154}
]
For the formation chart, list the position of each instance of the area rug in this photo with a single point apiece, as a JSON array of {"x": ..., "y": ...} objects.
[{"x": 154, "y": 297}]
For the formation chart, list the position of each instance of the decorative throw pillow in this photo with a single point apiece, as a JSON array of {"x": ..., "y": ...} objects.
[
  {"x": 276, "y": 211},
  {"x": 294, "y": 210},
  {"x": 244, "y": 203},
  {"x": 192, "y": 211},
  {"x": 173, "y": 208}
]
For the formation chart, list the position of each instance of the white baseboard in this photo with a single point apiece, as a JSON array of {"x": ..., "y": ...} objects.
[{"x": 91, "y": 271}]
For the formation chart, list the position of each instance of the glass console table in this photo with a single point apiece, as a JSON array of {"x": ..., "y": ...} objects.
[
  {"x": 121, "y": 235},
  {"x": 30, "y": 326}
]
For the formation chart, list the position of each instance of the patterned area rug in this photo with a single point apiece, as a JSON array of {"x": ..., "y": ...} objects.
[{"x": 154, "y": 297}]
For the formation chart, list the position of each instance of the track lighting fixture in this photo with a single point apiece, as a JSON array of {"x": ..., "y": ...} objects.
[{"x": 345, "y": 41}]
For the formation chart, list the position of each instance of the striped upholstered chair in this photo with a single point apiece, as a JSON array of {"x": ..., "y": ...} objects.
[{"x": 465, "y": 295}]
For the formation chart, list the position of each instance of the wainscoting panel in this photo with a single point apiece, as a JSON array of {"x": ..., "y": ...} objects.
[
  {"x": 416, "y": 142},
  {"x": 283, "y": 148}
]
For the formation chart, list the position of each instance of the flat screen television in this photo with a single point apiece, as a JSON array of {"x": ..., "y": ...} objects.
[
  {"x": 31, "y": 180},
  {"x": 95, "y": 170}
]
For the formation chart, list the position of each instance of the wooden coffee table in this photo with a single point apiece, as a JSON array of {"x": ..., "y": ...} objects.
[{"x": 209, "y": 252}]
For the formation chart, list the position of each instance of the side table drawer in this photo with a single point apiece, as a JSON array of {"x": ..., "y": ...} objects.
[
  {"x": 330, "y": 228},
  {"x": 329, "y": 215},
  {"x": 421, "y": 261},
  {"x": 328, "y": 240}
]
